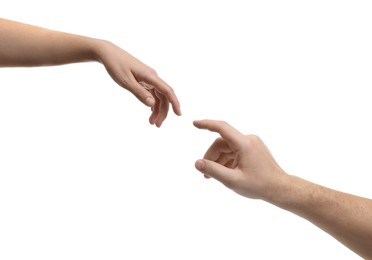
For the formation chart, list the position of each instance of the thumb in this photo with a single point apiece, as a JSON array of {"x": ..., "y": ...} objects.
[
  {"x": 142, "y": 93},
  {"x": 215, "y": 170}
]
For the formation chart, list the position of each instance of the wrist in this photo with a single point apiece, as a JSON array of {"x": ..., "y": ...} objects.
[
  {"x": 295, "y": 193},
  {"x": 98, "y": 48},
  {"x": 283, "y": 192}
]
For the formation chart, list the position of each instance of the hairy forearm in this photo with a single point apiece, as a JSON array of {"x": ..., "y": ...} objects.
[
  {"x": 26, "y": 45},
  {"x": 346, "y": 217}
]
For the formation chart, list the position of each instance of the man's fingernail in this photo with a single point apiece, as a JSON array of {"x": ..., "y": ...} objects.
[
  {"x": 150, "y": 101},
  {"x": 200, "y": 164}
]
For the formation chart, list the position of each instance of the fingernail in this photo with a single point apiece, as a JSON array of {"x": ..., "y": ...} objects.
[
  {"x": 200, "y": 164},
  {"x": 150, "y": 101}
]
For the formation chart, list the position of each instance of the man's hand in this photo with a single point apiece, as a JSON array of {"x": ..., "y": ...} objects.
[{"x": 243, "y": 163}]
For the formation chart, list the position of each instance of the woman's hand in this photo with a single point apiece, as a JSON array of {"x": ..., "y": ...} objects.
[{"x": 140, "y": 79}]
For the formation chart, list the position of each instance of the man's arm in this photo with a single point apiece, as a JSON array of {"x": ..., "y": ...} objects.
[
  {"x": 346, "y": 217},
  {"x": 27, "y": 45},
  {"x": 244, "y": 164}
]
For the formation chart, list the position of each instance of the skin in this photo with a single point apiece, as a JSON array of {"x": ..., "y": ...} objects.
[
  {"x": 245, "y": 165},
  {"x": 23, "y": 45}
]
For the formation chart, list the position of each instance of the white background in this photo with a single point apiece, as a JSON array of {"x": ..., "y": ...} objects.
[{"x": 84, "y": 176}]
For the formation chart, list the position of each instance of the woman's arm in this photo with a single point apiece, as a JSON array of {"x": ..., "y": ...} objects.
[
  {"x": 27, "y": 45},
  {"x": 244, "y": 164}
]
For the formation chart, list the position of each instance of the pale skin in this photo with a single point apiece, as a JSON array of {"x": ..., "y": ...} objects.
[
  {"x": 245, "y": 165},
  {"x": 24, "y": 45}
]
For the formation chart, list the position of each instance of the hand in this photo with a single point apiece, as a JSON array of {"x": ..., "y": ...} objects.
[
  {"x": 241, "y": 162},
  {"x": 141, "y": 80}
]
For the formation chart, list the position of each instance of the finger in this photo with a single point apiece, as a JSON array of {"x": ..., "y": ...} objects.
[
  {"x": 155, "y": 108},
  {"x": 232, "y": 136},
  {"x": 216, "y": 171},
  {"x": 164, "y": 108},
  {"x": 166, "y": 90},
  {"x": 140, "y": 92},
  {"x": 226, "y": 159},
  {"x": 214, "y": 151},
  {"x": 230, "y": 164}
]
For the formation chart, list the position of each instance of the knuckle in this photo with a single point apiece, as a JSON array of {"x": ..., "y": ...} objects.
[
  {"x": 167, "y": 92},
  {"x": 170, "y": 89},
  {"x": 253, "y": 137},
  {"x": 218, "y": 140},
  {"x": 250, "y": 141},
  {"x": 153, "y": 71},
  {"x": 152, "y": 74}
]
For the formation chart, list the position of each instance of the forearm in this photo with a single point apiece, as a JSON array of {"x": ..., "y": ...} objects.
[
  {"x": 346, "y": 217},
  {"x": 26, "y": 45}
]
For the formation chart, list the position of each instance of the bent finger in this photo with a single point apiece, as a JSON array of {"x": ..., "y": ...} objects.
[
  {"x": 161, "y": 86},
  {"x": 163, "y": 108},
  {"x": 216, "y": 171},
  {"x": 140, "y": 92},
  {"x": 214, "y": 151}
]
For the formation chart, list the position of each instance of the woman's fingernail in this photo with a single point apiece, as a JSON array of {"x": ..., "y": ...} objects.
[
  {"x": 200, "y": 164},
  {"x": 150, "y": 101}
]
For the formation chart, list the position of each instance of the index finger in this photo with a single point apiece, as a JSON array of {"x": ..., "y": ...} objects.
[
  {"x": 232, "y": 136},
  {"x": 161, "y": 86}
]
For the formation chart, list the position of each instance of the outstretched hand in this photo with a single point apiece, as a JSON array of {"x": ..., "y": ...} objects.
[
  {"x": 141, "y": 80},
  {"x": 243, "y": 163},
  {"x": 28, "y": 45}
]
